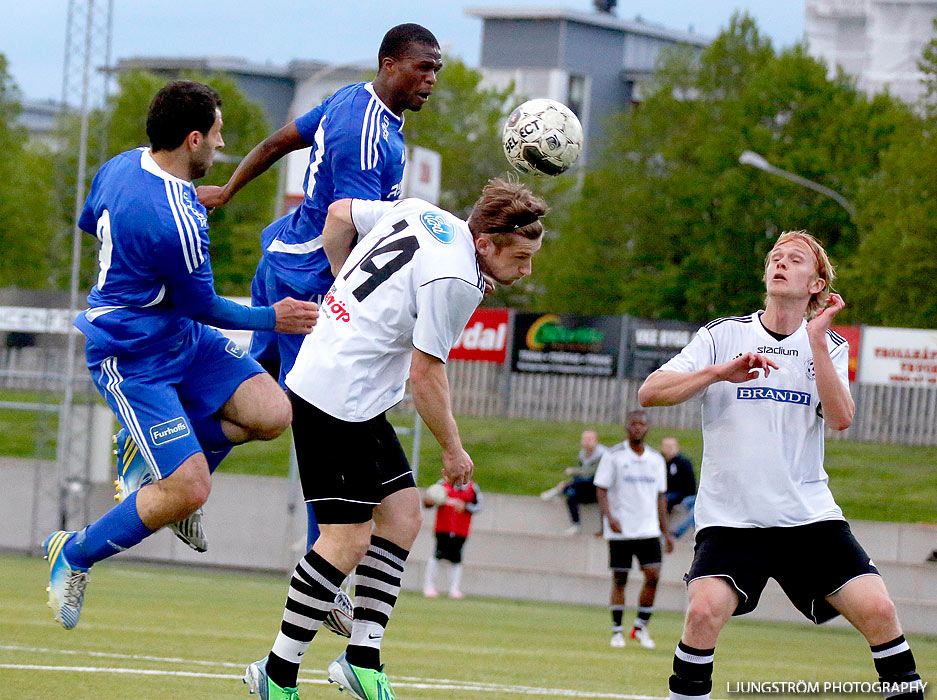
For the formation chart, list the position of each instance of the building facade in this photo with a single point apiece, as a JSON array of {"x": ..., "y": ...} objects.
[{"x": 879, "y": 42}]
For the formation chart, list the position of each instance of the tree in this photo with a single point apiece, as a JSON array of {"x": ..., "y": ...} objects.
[
  {"x": 27, "y": 208},
  {"x": 670, "y": 225}
]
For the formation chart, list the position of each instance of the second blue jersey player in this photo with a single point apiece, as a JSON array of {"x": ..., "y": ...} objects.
[
  {"x": 183, "y": 393},
  {"x": 357, "y": 151}
]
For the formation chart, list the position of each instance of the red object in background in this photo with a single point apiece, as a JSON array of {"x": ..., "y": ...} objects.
[
  {"x": 291, "y": 202},
  {"x": 852, "y": 334},
  {"x": 485, "y": 337}
]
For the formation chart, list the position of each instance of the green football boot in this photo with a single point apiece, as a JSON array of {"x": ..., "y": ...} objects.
[
  {"x": 361, "y": 683},
  {"x": 260, "y": 684}
]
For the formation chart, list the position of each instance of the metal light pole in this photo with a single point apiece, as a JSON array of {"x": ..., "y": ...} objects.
[
  {"x": 757, "y": 161},
  {"x": 88, "y": 41}
]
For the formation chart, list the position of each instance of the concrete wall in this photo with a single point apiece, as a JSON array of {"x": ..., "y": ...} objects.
[{"x": 516, "y": 550}]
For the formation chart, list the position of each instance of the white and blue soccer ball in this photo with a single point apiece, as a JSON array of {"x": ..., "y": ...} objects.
[{"x": 542, "y": 136}]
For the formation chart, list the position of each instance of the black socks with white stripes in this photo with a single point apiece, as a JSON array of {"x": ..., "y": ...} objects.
[
  {"x": 692, "y": 677},
  {"x": 377, "y": 585},
  {"x": 895, "y": 665},
  {"x": 312, "y": 595}
]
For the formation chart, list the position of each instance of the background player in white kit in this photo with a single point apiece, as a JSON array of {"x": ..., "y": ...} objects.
[
  {"x": 630, "y": 483},
  {"x": 399, "y": 303},
  {"x": 770, "y": 383}
]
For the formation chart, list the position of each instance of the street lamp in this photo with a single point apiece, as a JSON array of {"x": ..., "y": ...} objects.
[{"x": 757, "y": 161}]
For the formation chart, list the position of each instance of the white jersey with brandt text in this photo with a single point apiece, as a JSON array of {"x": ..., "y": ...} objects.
[
  {"x": 411, "y": 281},
  {"x": 763, "y": 439}
]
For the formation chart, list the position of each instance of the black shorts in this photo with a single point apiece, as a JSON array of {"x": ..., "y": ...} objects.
[
  {"x": 809, "y": 562},
  {"x": 449, "y": 547},
  {"x": 620, "y": 553},
  {"x": 347, "y": 468}
]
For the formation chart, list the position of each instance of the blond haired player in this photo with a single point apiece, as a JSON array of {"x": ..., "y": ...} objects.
[{"x": 770, "y": 383}]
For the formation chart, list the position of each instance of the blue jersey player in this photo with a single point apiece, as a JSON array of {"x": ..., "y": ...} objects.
[
  {"x": 357, "y": 151},
  {"x": 183, "y": 393}
]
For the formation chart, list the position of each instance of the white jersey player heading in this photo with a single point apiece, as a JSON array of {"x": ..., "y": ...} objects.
[
  {"x": 411, "y": 281},
  {"x": 763, "y": 439}
]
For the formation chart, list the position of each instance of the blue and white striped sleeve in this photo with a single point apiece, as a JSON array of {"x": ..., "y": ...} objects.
[
  {"x": 180, "y": 249},
  {"x": 353, "y": 141}
]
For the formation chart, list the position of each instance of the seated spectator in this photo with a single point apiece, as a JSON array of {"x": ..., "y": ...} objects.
[
  {"x": 579, "y": 488},
  {"x": 681, "y": 483}
]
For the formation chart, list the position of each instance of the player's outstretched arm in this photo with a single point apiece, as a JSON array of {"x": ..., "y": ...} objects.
[
  {"x": 838, "y": 405},
  {"x": 295, "y": 316},
  {"x": 430, "y": 389},
  {"x": 260, "y": 158},
  {"x": 667, "y": 388},
  {"x": 338, "y": 234}
]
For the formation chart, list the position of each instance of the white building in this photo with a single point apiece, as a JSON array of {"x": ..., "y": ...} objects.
[{"x": 879, "y": 42}]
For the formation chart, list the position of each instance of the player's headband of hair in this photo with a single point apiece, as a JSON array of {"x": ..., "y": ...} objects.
[{"x": 522, "y": 220}]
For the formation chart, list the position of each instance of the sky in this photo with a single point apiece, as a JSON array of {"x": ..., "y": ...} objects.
[{"x": 32, "y": 34}]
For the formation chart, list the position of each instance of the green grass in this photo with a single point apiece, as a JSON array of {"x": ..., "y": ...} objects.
[
  {"x": 177, "y": 620},
  {"x": 871, "y": 481}
]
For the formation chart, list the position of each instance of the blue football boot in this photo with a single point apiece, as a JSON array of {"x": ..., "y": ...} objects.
[{"x": 66, "y": 582}]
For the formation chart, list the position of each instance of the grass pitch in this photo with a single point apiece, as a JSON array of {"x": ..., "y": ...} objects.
[{"x": 150, "y": 632}]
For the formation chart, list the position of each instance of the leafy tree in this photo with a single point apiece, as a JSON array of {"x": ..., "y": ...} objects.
[
  {"x": 27, "y": 207},
  {"x": 670, "y": 225}
]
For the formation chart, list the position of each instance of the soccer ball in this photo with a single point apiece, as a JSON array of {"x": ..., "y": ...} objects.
[
  {"x": 437, "y": 494},
  {"x": 542, "y": 136},
  {"x": 341, "y": 616}
]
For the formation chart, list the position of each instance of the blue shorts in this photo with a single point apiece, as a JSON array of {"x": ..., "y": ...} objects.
[
  {"x": 269, "y": 347},
  {"x": 162, "y": 400}
]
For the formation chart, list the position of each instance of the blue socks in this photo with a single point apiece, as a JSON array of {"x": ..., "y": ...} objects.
[{"x": 118, "y": 529}]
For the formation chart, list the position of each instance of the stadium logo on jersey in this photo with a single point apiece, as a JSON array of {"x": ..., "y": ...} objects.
[
  {"x": 746, "y": 393},
  {"x": 169, "y": 431},
  {"x": 234, "y": 349},
  {"x": 769, "y": 350},
  {"x": 437, "y": 225}
]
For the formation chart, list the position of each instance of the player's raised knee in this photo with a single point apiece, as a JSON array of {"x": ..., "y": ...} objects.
[
  {"x": 274, "y": 415},
  {"x": 278, "y": 418}
]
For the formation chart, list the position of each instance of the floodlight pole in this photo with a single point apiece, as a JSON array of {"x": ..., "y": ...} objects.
[{"x": 758, "y": 161}]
